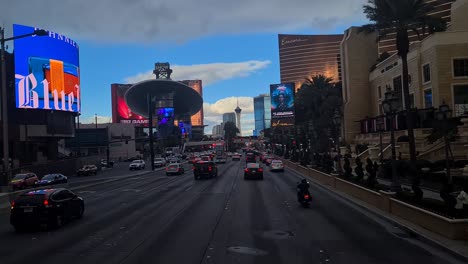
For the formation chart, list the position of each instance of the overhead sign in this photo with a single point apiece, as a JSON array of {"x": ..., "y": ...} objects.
[{"x": 47, "y": 71}]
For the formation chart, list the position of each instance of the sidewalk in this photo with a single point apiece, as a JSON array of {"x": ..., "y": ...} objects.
[
  {"x": 428, "y": 193},
  {"x": 456, "y": 248}
]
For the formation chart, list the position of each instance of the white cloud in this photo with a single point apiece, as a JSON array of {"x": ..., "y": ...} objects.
[
  {"x": 208, "y": 73},
  {"x": 141, "y": 21}
]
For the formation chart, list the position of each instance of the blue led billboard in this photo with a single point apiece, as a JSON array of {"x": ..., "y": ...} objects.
[{"x": 47, "y": 72}]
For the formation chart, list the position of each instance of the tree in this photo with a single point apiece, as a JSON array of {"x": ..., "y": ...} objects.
[
  {"x": 401, "y": 17},
  {"x": 230, "y": 132},
  {"x": 316, "y": 103}
]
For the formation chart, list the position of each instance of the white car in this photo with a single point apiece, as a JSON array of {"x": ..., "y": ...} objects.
[
  {"x": 159, "y": 162},
  {"x": 137, "y": 165},
  {"x": 174, "y": 169},
  {"x": 276, "y": 165}
]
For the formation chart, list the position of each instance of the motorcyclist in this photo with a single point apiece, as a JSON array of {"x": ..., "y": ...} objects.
[{"x": 302, "y": 188}]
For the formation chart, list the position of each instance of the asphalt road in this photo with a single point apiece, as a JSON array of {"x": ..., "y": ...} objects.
[{"x": 157, "y": 219}]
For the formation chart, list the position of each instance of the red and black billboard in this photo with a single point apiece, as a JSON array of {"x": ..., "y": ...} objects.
[{"x": 121, "y": 113}]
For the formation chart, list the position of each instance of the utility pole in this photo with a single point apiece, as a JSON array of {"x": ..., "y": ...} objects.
[
  {"x": 151, "y": 135},
  {"x": 6, "y": 156}
]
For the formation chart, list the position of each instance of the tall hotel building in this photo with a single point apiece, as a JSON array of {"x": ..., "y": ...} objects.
[
  {"x": 442, "y": 10},
  {"x": 196, "y": 119},
  {"x": 304, "y": 56}
]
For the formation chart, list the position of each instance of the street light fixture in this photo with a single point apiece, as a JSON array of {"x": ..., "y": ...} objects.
[
  {"x": 6, "y": 154},
  {"x": 337, "y": 122},
  {"x": 443, "y": 114},
  {"x": 390, "y": 106},
  {"x": 380, "y": 129}
]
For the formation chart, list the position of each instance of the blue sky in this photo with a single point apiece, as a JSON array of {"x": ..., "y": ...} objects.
[{"x": 233, "y": 49}]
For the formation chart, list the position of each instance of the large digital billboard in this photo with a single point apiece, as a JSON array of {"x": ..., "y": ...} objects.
[
  {"x": 282, "y": 104},
  {"x": 47, "y": 71},
  {"x": 121, "y": 113}
]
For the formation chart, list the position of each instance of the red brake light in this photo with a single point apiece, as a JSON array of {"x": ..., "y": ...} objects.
[
  {"x": 12, "y": 204},
  {"x": 260, "y": 169},
  {"x": 306, "y": 197},
  {"x": 210, "y": 168},
  {"x": 46, "y": 202},
  {"x": 246, "y": 169}
]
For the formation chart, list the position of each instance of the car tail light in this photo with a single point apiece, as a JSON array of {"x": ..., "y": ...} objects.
[
  {"x": 260, "y": 169},
  {"x": 46, "y": 203},
  {"x": 246, "y": 170},
  {"x": 306, "y": 197},
  {"x": 210, "y": 168},
  {"x": 12, "y": 205}
]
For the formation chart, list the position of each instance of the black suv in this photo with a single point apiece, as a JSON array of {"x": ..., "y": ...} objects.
[{"x": 204, "y": 169}]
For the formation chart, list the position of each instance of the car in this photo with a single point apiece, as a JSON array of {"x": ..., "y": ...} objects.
[
  {"x": 51, "y": 207},
  {"x": 250, "y": 158},
  {"x": 206, "y": 158},
  {"x": 276, "y": 165},
  {"x": 23, "y": 180},
  {"x": 220, "y": 159},
  {"x": 253, "y": 171},
  {"x": 107, "y": 165},
  {"x": 195, "y": 160},
  {"x": 236, "y": 156},
  {"x": 87, "y": 170},
  {"x": 174, "y": 160},
  {"x": 204, "y": 169},
  {"x": 137, "y": 165},
  {"x": 175, "y": 169},
  {"x": 268, "y": 161},
  {"x": 51, "y": 179},
  {"x": 159, "y": 162}
]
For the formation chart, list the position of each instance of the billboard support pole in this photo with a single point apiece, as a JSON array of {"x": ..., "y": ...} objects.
[
  {"x": 151, "y": 136},
  {"x": 6, "y": 154}
]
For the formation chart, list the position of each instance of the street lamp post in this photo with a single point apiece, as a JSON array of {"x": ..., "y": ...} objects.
[
  {"x": 337, "y": 122},
  {"x": 390, "y": 106},
  {"x": 380, "y": 128},
  {"x": 442, "y": 115},
  {"x": 6, "y": 154}
]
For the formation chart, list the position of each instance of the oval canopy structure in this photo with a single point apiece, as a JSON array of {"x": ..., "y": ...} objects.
[{"x": 185, "y": 100}]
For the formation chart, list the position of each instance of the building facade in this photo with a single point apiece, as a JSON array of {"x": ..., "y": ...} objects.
[
  {"x": 217, "y": 130},
  {"x": 304, "y": 56},
  {"x": 262, "y": 113},
  {"x": 229, "y": 117},
  {"x": 118, "y": 139},
  {"x": 438, "y": 70},
  {"x": 196, "y": 119}
]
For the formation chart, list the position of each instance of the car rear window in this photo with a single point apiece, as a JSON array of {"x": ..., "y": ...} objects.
[
  {"x": 30, "y": 199},
  {"x": 253, "y": 165},
  {"x": 19, "y": 176},
  {"x": 49, "y": 176}
]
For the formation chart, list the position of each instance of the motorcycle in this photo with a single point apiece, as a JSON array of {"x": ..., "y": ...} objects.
[{"x": 304, "y": 198}]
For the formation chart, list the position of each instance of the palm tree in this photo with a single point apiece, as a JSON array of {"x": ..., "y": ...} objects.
[
  {"x": 401, "y": 17},
  {"x": 316, "y": 103}
]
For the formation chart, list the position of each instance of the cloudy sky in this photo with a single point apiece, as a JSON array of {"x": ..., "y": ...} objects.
[{"x": 230, "y": 45}]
